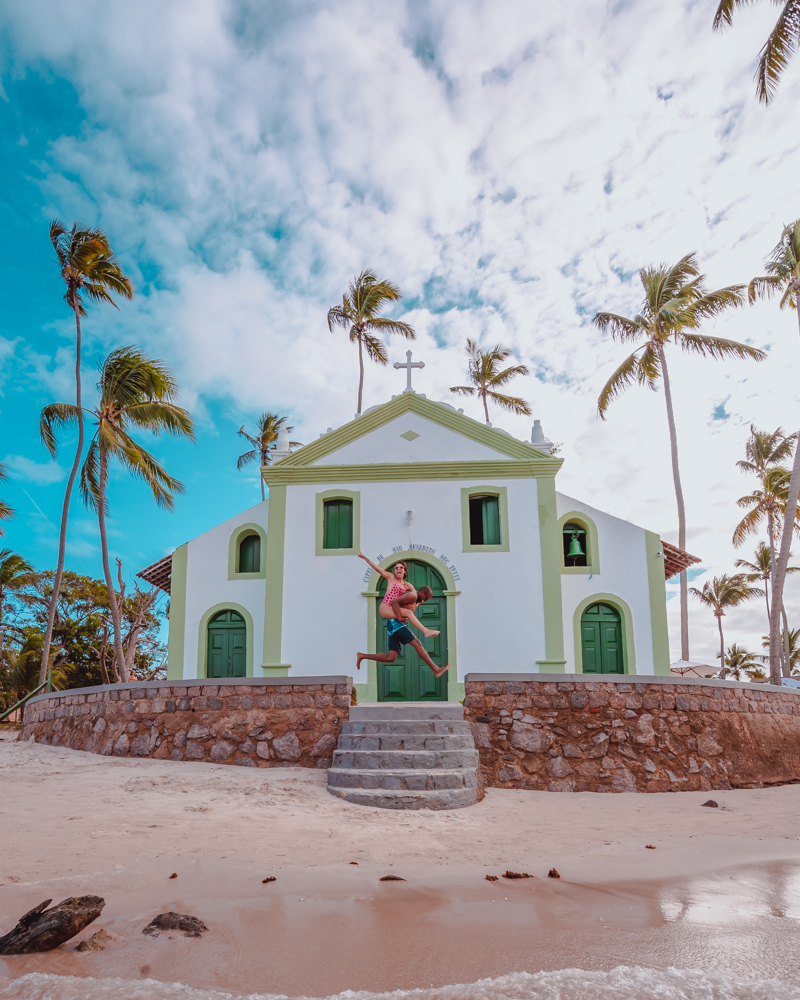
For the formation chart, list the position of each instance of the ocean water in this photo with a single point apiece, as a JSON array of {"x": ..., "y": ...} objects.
[{"x": 622, "y": 983}]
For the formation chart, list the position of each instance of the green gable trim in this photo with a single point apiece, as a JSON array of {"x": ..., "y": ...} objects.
[
  {"x": 414, "y": 403},
  {"x": 177, "y": 614},
  {"x": 550, "y": 548},
  {"x": 281, "y": 475},
  {"x": 273, "y": 610},
  {"x": 658, "y": 602}
]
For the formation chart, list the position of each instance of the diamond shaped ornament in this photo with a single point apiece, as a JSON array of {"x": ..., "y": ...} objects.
[{"x": 409, "y": 435}]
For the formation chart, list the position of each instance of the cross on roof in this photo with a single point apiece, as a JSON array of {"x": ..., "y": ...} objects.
[{"x": 408, "y": 365}]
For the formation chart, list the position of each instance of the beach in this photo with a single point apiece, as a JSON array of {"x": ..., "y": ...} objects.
[{"x": 718, "y": 890}]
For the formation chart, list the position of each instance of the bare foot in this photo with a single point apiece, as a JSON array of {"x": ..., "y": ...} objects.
[
  {"x": 438, "y": 671},
  {"x": 429, "y": 633}
]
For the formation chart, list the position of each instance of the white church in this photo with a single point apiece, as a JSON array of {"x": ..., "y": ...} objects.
[{"x": 524, "y": 578}]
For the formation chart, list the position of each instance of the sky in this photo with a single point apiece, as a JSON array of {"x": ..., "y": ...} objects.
[{"x": 509, "y": 165}]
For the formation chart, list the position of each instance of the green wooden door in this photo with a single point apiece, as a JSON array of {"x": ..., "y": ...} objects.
[
  {"x": 227, "y": 645},
  {"x": 601, "y": 640},
  {"x": 408, "y": 678}
]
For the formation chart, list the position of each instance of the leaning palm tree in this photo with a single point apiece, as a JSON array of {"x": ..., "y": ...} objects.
[
  {"x": 15, "y": 573},
  {"x": 88, "y": 267},
  {"x": 135, "y": 392},
  {"x": 783, "y": 275},
  {"x": 269, "y": 424},
  {"x": 782, "y": 42},
  {"x": 360, "y": 312},
  {"x": 675, "y": 304},
  {"x": 739, "y": 660},
  {"x": 723, "y": 592},
  {"x": 483, "y": 371},
  {"x": 791, "y": 639},
  {"x": 6, "y": 512}
]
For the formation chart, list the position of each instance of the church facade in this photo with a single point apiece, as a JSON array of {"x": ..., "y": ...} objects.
[{"x": 524, "y": 579}]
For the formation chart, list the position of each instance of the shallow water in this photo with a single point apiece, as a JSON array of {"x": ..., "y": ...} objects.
[{"x": 621, "y": 983}]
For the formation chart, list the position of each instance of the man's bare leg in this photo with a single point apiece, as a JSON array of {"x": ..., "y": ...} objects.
[
  {"x": 380, "y": 657},
  {"x": 437, "y": 671}
]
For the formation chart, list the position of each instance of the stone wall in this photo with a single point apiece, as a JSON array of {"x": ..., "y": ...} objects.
[
  {"x": 254, "y": 722},
  {"x": 571, "y": 732}
]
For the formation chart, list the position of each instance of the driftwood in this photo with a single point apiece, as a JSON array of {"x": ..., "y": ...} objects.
[{"x": 42, "y": 929}]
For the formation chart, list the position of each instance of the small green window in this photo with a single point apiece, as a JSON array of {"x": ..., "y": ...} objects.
[
  {"x": 337, "y": 528},
  {"x": 484, "y": 520},
  {"x": 250, "y": 554}
]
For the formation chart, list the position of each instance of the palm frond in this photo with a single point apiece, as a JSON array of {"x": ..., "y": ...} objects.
[
  {"x": 508, "y": 374},
  {"x": 53, "y": 417},
  {"x": 764, "y": 287},
  {"x": 620, "y": 327},
  {"x": 724, "y": 15},
  {"x": 158, "y": 417},
  {"x": 463, "y": 390},
  {"x": 392, "y": 326},
  {"x": 90, "y": 477},
  {"x": 376, "y": 350},
  {"x": 514, "y": 404},
  {"x": 246, "y": 459},
  {"x": 717, "y": 347},
  {"x": 781, "y": 43},
  {"x": 622, "y": 378}
]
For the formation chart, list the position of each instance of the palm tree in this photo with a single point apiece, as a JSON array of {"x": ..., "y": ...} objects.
[
  {"x": 723, "y": 592},
  {"x": 15, "y": 573},
  {"x": 783, "y": 275},
  {"x": 269, "y": 424},
  {"x": 740, "y": 661},
  {"x": 760, "y": 568},
  {"x": 88, "y": 266},
  {"x": 135, "y": 391},
  {"x": 360, "y": 313},
  {"x": 782, "y": 42},
  {"x": 791, "y": 639},
  {"x": 675, "y": 303},
  {"x": 6, "y": 512},
  {"x": 482, "y": 371}
]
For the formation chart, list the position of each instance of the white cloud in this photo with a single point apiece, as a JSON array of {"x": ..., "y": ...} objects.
[
  {"x": 39, "y": 473},
  {"x": 509, "y": 165}
]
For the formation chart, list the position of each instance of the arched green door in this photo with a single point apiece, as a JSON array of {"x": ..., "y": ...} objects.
[
  {"x": 408, "y": 678},
  {"x": 227, "y": 645},
  {"x": 601, "y": 640}
]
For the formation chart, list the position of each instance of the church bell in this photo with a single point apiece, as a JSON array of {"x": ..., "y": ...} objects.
[{"x": 575, "y": 546}]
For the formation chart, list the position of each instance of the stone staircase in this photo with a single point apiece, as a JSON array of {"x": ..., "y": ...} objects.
[{"x": 406, "y": 755}]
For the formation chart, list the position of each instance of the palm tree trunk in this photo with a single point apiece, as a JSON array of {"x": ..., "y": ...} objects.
[
  {"x": 360, "y": 373},
  {"x": 120, "y": 669},
  {"x": 779, "y": 577},
  {"x": 771, "y": 535},
  {"x": 724, "y": 672},
  {"x": 786, "y": 665},
  {"x": 676, "y": 476},
  {"x": 62, "y": 536},
  {"x": 485, "y": 407}
]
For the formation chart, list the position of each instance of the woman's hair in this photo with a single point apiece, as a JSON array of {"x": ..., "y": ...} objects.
[{"x": 400, "y": 562}]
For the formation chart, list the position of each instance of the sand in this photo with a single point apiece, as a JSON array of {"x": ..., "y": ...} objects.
[{"x": 720, "y": 890}]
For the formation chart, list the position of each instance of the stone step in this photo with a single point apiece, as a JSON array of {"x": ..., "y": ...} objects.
[
  {"x": 405, "y": 741},
  {"x": 412, "y": 727},
  {"x": 381, "y": 798},
  {"x": 405, "y": 710},
  {"x": 428, "y": 760},
  {"x": 401, "y": 779}
]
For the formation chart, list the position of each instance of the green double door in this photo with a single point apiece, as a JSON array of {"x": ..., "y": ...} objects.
[
  {"x": 227, "y": 645},
  {"x": 601, "y": 640},
  {"x": 409, "y": 678}
]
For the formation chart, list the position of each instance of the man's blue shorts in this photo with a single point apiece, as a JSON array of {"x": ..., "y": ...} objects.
[{"x": 399, "y": 635}]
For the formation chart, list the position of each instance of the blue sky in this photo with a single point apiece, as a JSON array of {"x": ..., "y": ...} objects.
[{"x": 509, "y": 166}]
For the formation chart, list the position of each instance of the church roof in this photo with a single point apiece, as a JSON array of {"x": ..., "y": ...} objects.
[
  {"x": 676, "y": 560},
  {"x": 159, "y": 574}
]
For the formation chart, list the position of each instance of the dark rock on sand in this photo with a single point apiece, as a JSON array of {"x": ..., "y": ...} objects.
[
  {"x": 42, "y": 930},
  {"x": 191, "y": 926}
]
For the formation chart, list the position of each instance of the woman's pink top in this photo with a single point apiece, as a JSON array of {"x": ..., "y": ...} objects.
[{"x": 395, "y": 591}]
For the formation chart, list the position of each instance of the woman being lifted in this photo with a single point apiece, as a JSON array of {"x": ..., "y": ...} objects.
[{"x": 397, "y": 586}]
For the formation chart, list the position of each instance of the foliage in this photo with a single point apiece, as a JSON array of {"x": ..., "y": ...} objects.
[
  {"x": 764, "y": 503},
  {"x": 720, "y": 593},
  {"x": 793, "y": 636},
  {"x": 483, "y": 371},
  {"x": 269, "y": 425},
  {"x": 359, "y": 313},
  {"x": 740, "y": 661},
  {"x": 6, "y": 512},
  {"x": 782, "y": 42}
]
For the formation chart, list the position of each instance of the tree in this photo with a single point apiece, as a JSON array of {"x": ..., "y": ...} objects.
[
  {"x": 15, "y": 573},
  {"x": 783, "y": 275},
  {"x": 761, "y": 569},
  {"x": 782, "y": 42},
  {"x": 486, "y": 379},
  {"x": 6, "y": 512},
  {"x": 360, "y": 311},
  {"x": 135, "y": 391},
  {"x": 792, "y": 641},
  {"x": 269, "y": 424},
  {"x": 88, "y": 267},
  {"x": 740, "y": 661},
  {"x": 723, "y": 592},
  {"x": 675, "y": 303}
]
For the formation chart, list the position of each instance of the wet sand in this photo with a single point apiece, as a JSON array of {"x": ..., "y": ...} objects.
[{"x": 721, "y": 891}]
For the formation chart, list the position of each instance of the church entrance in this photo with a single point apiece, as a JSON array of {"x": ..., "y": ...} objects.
[
  {"x": 227, "y": 645},
  {"x": 408, "y": 678},
  {"x": 601, "y": 640}
]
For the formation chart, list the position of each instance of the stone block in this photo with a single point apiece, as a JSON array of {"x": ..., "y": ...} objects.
[
  {"x": 263, "y": 750},
  {"x": 121, "y": 746},
  {"x": 287, "y": 747},
  {"x": 194, "y": 750},
  {"x": 623, "y": 780},
  {"x": 198, "y": 732},
  {"x": 246, "y": 702},
  {"x": 221, "y": 750},
  {"x": 510, "y": 772},
  {"x": 578, "y": 699},
  {"x": 558, "y": 767},
  {"x": 215, "y": 704}
]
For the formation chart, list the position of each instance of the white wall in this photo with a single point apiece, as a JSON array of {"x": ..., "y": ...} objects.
[
  {"x": 207, "y": 584},
  {"x": 623, "y": 572}
]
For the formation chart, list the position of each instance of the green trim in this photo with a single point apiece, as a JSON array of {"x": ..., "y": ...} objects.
[
  {"x": 339, "y": 494},
  {"x": 658, "y": 602},
  {"x": 177, "y": 613},
  {"x": 413, "y": 402},
  {"x": 239, "y": 532},
  {"x": 550, "y": 548},
  {"x": 450, "y": 594},
  {"x": 501, "y": 492},
  {"x": 627, "y": 630},
  {"x": 279, "y": 474},
  {"x": 202, "y": 638},
  {"x": 273, "y": 608},
  {"x": 277, "y": 671},
  {"x": 593, "y": 555}
]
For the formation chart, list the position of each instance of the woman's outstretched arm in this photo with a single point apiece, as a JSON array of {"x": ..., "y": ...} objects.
[{"x": 383, "y": 572}]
